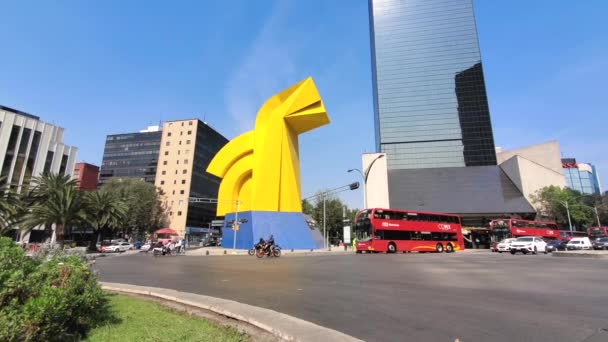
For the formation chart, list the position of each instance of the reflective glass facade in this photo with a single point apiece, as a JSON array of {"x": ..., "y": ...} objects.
[
  {"x": 581, "y": 177},
  {"x": 132, "y": 155},
  {"x": 430, "y": 99}
]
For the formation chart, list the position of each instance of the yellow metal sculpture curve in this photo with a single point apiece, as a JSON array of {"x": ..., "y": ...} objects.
[{"x": 261, "y": 168}]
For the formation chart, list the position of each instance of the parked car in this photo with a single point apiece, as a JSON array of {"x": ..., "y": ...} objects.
[
  {"x": 212, "y": 241},
  {"x": 601, "y": 243},
  {"x": 579, "y": 243},
  {"x": 525, "y": 244},
  {"x": 137, "y": 244},
  {"x": 556, "y": 245},
  {"x": 504, "y": 245},
  {"x": 145, "y": 247},
  {"x": 117, "y": 247}
]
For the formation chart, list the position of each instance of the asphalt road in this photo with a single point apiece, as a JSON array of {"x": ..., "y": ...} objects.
[{"x": 400, "y": 297}]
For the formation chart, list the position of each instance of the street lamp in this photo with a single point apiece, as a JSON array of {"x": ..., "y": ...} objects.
[
  {"x": 565, "y": 204},
  {"x": 351, "y": 186},
  {"x": 365, "y": 175}
]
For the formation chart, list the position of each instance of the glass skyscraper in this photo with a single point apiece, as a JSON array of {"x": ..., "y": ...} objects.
[
  {"x": 581, "y": 177},
  {"x": 431, "y": 109}
]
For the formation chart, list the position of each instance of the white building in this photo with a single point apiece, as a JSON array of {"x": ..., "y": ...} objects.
[{"x": 30, "y": 147}]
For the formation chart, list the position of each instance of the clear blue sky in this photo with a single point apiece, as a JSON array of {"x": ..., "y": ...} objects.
[{"x": 117, "y": 66}]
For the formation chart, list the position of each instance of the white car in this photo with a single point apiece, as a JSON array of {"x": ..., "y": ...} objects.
[
  {"x": 525, "y": 244},
  {"x": 579, "y": 243},
  {"x": 145, "y": 248},
  {"x": 505, "y": 245},
  {"x": 118, "y": 247}
]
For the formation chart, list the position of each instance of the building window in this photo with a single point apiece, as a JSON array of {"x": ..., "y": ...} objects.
[
  {"x": 168, "y": 143},
  {"x": 189, "y": 132},
  {"x": 170, "y": 213},
  {"x": 166, "y": 153},
  {"x": 180, "y": 142},
  {"x": 178, "y": 162},
  {"x": 183, "y": 181},
  {"x": 173, "y": 192},
  {"x": 162, "y": 182},
  {"x": 185, "y": 171},
  {"x": 182, "y": 124},
  {"x": 181, "y": 192},
  {"x": 175, "y": 182},
  {"x": 185, "y": 161},
  {"x": 181, "y": 133},
  {"x": 165, "y": 162},
  {"x": 190, "y": 123},
  {"x": 164, "y": 173},
  {"x": 178, "y": 151},
  {"x": 181, "y": 202},
  {"x": 179, "y": 213},
  {"x": 175, "y": 171},
  {"x": 169, "y": 134},
  {"x": 188, "y": 142}
]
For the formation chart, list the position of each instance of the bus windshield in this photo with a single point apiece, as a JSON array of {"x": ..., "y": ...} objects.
[{"x": 363, "y": 226}]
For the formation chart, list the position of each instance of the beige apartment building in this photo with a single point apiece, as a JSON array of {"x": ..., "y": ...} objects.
[{"x": 187, "y": 147}]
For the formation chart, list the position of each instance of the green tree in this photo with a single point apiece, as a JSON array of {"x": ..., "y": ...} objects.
[
  {"x": 145, "y": 211},
  {"x": 63, "y": 205},
  {"x": 552, "y": 202},
  {"x": 307, "y": 207},
  {"x": 11, "y": 209},
  {"x": 334, "y": 211},
  {"x": 104, "y": 211}
]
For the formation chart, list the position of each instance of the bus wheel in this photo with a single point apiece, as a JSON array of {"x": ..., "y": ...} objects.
[
  {"x": 391, "y": 248},
  {"x": 449, "y": 248},
  {"x": 358, "y": 252},
  {"x": 439, "y": 248}
]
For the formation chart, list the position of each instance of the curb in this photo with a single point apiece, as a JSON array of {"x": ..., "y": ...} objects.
[
  {"x": 278, "y": 324},
  {"x": 580, "y": 255}
]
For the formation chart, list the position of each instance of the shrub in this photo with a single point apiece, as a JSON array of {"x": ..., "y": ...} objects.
[{"x": 46, "y": 300}]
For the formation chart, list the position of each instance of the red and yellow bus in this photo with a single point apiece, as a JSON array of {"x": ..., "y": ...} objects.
[
  {"x": 391, "y": 231},
  {"x": 511, "y": 228},
  {"x": 597, "y": 232}
]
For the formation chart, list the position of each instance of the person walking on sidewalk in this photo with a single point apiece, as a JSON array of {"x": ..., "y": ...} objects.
[{"x": 354, "y": 243}]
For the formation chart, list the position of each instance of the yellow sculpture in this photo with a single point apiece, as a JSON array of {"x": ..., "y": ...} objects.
[{"x": 261, "y": 168}]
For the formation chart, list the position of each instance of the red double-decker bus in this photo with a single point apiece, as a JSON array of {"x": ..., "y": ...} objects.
[
  {"x": 597, "y": 232},
  {"x": 391, "y": 231},
  {"x": 511, "y": 228}
]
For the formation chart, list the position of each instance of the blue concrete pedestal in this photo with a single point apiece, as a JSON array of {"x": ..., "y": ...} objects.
[{"x": 290, "y": 230}]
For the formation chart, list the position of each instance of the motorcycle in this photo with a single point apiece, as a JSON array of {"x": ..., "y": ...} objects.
[
  {"x": 257, "y": 246},
  {"x": 275, "y": 252}
]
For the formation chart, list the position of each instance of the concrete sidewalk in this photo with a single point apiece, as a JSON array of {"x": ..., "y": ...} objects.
[
  {"x": 283, "y": 326},
  {"x": 582, "y": 254}
]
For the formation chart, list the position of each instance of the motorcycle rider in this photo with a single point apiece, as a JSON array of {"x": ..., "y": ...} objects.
[{"x": 269, "y": 244}]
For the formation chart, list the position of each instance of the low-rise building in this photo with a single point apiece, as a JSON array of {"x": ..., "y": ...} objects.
[{"x": 86, "y": 175}]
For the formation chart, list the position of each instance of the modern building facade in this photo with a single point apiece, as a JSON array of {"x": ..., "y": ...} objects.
[
  {"x": 30, "y": 147},
  {"x": 582, "y": 177},
  {"x": 432, "y": 118},
  {"x": 131, "y": 155},
  {"x": 431, "y": 108},
  {"x": 186, "y": 148},
  {"x": 86, "y": 175},
  {"x": 532, "y": 168}
]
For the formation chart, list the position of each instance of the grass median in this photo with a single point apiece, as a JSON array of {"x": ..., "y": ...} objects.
[{"x": 137, "y": 319}]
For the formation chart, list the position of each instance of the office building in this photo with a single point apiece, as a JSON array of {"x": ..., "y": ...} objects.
[
  {"x": 431, "y": 108},
  {"x": 186, "y": 149},
  {"x": 30, "y": 147},
  {"x": 432, "y": 118},
  {"x": 582, "y": 177},
  {"x": 86, "y": 175},
  {"x": 131, "y": 155}
]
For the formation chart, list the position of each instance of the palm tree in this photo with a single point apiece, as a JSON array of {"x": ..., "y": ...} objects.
[
  {"x": 54, "y": 199},
  {"x": 104, "y": 210},
  {"x": 11, "y": 208}
]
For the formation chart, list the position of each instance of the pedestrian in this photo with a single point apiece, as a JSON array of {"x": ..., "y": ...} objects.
[{"x": 354, "y": 243}]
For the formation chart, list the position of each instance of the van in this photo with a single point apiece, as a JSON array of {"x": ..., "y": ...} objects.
[{"x": 579, "y": 243}]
